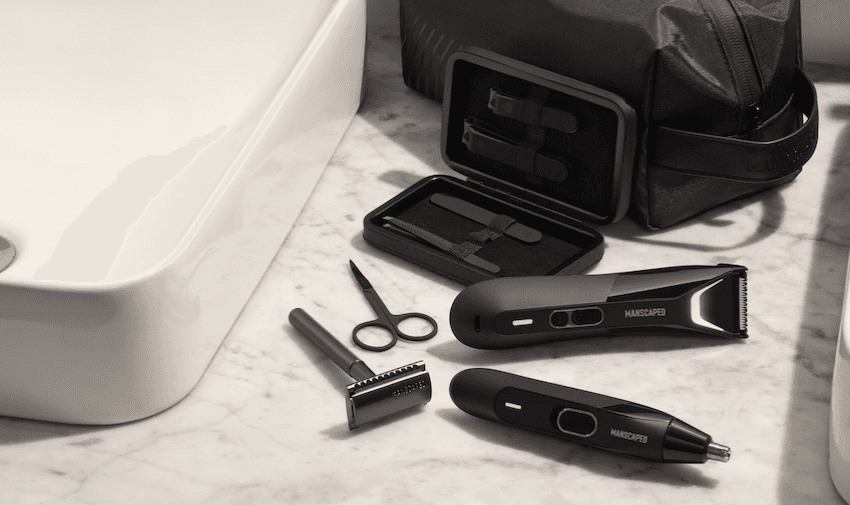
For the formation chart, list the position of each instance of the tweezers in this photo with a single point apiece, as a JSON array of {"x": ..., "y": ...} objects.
[
  {"x": 461, "y": 251},
  {"x": 502, "y": 223}
]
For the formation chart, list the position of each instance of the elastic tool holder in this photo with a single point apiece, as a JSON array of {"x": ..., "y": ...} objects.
[
  {"x": 495, "y": 229},
  {"x": 532, "y": 111},
  {"x": 523, "y": 156},
  {"x": 497, "y": 224}
]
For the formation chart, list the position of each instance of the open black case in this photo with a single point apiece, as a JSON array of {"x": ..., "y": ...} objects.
[{"x": 542, "y": 154}]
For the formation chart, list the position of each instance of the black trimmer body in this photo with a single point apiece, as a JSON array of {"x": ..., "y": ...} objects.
[
  {"x": 517, "y": 311},
  {"x": 581, "y": 416}
]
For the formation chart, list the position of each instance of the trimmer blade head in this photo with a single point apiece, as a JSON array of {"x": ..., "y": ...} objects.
[
  {"x": 388, "y": 393},
  {"x": 721, "y": 306}
]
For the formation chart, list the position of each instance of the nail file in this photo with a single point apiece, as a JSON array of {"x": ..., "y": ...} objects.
[{"x": 483, "y": 216}]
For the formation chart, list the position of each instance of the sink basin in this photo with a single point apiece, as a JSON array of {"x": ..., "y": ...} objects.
[
  {"x": 153, "y": 157},
  {"x": 839, "y": 419}
]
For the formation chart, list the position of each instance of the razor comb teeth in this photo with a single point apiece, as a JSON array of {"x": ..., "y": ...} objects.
[{"x": 419, "y": 365}]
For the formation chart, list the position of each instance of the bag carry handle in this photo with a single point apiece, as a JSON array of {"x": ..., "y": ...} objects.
[{"x": 738, "y": 159}]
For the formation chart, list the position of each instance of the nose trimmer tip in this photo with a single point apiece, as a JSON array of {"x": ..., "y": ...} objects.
[{"x": 718, "y": 452}]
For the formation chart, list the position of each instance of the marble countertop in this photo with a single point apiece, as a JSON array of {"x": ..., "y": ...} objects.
[{"x": 267, "y": 422}]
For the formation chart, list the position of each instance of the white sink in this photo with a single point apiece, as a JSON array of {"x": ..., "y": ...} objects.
[
  {"x": 839, "y": 419},
  {"x": 153, "y": 157}
]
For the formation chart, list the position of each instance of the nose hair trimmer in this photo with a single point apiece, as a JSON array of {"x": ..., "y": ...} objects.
[
  {"x": 374, "y": 396},
  {"x": 515, "y": 311},
  {"x": 581, "y": 416}
]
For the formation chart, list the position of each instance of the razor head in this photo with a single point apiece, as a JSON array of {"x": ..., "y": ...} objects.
[{"x": 387, "y": 394}]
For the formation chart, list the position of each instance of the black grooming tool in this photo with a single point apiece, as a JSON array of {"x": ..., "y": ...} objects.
[
  {"x": 532, "y": 110},
  {"x": 373, "y": 397},
  {"x": 581, "y": 416},
  {"x": 521, "y": 155},
  {"x": 460, "y": 251},
  {"x": 490, "y": 219},
  {"x": 515, "y": 311},
  {"x": 387, "y": 321}
]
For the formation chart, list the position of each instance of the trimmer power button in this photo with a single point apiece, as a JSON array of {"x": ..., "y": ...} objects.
[
  {"x": 587, "y": 317},
  {"x": 576, "y": 422}
]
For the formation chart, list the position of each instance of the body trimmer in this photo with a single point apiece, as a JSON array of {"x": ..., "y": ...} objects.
[
  {"x": 374, "y": 396},
  {"x": 581, "y": 416},
  {"x": 514, "y": 311}
]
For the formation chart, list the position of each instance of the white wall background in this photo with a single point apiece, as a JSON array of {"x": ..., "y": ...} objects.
[{"x": 826, "y": 31}]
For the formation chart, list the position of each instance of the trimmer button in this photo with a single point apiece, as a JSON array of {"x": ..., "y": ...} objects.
[
  {"x": 576, "y": 422},
  {"x": 559, "y": 319},
  {"x": 587, "y": 317},
  {"x": 571, "y": 318}
]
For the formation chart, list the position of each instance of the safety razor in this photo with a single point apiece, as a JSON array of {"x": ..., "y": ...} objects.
[
  {"x": 374, "y": 396},
  {"x": 516, "y": 311}
]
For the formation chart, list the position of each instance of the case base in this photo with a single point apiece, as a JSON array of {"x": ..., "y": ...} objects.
[{"x": 561, "y": 247}]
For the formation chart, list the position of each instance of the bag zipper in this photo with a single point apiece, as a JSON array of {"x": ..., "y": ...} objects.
[{"x": 740, "y": 58}]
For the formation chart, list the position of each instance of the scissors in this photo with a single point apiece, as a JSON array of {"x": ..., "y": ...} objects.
[{"x": 386, "y": 320}]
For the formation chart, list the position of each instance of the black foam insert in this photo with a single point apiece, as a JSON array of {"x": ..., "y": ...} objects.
[{"x": 560, "y": 245}]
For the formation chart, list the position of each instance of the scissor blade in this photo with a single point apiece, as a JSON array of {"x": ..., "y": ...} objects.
[{"x": 364, "y": 284}]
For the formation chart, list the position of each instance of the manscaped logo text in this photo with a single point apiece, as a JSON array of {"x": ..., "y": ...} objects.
[
  {"x": 628, "y": 435},
  {"x": 654, "y": 312},
  {"x": 409, "y": 388}
]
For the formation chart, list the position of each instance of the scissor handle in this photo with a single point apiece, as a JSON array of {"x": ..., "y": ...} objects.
[
  {"x": 396, "y": 319},
  {"x": 390, "y": 323},
  {"x": 376, "y": 323}
]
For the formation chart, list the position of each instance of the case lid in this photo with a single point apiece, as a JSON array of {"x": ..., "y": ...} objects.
[{"x": 564, "y": 148}]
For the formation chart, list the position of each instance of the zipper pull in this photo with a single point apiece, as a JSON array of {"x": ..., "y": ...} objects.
[{"x": 752, "y": 117}]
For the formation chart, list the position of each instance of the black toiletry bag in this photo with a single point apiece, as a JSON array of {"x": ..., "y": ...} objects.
[{"x": 716, "y": 85}]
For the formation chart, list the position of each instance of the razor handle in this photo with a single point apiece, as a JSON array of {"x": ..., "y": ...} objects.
[
  {"x": 515, "y": 311},
  {"x": 581, "y": 416}
]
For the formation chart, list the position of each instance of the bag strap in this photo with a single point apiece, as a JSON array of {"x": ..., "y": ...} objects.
[{"x": 739, "y": 159}]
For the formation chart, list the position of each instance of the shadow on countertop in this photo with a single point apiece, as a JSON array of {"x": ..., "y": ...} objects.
[
  {"x": 20, "y": 431},
  {"x": 804, "y": 478},
  {"x": 453, "y": 351},
  {"x": 593, "y": 460}
]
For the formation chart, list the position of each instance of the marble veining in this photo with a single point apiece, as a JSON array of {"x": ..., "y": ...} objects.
[{"x": 267, "y": 422}]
